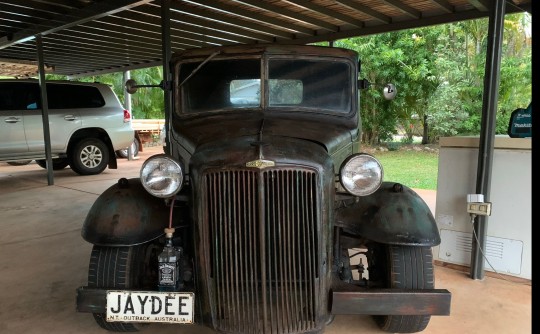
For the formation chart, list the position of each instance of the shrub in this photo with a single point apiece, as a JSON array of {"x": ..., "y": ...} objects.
[{"x": 393, "y": 146}]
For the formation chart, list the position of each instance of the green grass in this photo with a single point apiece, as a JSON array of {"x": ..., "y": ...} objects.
[{"x": 415, "y": 169}]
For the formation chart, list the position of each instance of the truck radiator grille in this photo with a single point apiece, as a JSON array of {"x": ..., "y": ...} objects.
[{"x": 263, "y": 239}]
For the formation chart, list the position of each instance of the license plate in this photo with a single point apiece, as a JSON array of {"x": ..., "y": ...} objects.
[{"x": 150, "y": 306}]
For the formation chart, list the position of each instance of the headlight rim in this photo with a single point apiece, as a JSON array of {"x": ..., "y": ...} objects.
[
  {"x": 173, "y": 161},
  {"x": 344, "y": 164}
]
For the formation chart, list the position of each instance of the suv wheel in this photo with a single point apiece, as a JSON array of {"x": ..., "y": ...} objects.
[
  {"x": 58, "y": 164},
  {"x": 124, "y": 152},
  {"x": 89, "y": 157}
]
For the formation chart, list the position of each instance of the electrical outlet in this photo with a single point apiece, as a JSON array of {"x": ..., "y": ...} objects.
[{"x": 477, "y": 208}]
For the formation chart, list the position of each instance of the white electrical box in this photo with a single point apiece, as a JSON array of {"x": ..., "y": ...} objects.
[{"x": 509, "y": 222}]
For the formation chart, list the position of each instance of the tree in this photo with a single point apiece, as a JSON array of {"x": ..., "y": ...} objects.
[
  {"x": 461, "y": 64},
  {"x": 439, "y": 73},
  {"x": 407, "y": 59}
]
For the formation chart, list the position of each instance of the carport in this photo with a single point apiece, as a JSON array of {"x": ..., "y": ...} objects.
[{"x": 81, "y": 38}]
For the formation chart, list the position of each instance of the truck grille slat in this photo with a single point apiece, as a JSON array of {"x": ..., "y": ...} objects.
[{"x": 262, "y": 232}]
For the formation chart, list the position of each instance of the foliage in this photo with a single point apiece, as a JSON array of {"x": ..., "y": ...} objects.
[
  {"x": 393, "y": 146},
  {"x": 439, "y": 73},
  {"x": 465, "y": 43},
  {"x": 146, "y": 103},
  {"x": 405, "y": 58}
]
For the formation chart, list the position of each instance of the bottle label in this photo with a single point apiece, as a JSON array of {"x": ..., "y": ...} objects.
[{"x": 167, "y": 274}]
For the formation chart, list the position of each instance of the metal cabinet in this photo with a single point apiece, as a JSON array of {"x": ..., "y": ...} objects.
[{"x": 509, "y": 231}]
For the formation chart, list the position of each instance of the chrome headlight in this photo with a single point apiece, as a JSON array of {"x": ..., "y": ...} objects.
[
  {"x": 162, "y": 176},
  {"x": 361, "y": 174}
]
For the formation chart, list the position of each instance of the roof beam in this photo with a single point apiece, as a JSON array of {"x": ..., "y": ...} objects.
[
  {"x": 256, "y": 17},
  {"x": 80, "y": 73},
  {"x": 401, "y": 25},
  {"x": 444, "y": 5},
  {"x": 222, "y": 23},
  {"x": 291, "y": 14},
  {"x": 325, "y": 11},
  {"x": 366, "y": 10},
  {"x": 481, "y": 5},
  {"x": 73, "y": 18},
  {"x": 408, "y": 10},
  {"x": 178, "y": 24}
]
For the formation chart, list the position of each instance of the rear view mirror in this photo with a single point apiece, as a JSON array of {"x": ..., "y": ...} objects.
[
  {"x": 389, "y": 91},
  {"x": 131, "y": 86}
]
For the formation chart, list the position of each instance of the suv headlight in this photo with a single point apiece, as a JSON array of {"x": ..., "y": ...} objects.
[
  {"x": 162, "y": 176},
  {"x": 361, "y": 174}
]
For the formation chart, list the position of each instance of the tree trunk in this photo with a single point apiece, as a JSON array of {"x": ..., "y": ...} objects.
[{"x": 425, "y": 139}]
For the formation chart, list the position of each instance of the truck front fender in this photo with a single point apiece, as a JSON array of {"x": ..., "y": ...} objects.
[
  {"x": 125, "y": 215},
  {"x": 394, "y": 214}
]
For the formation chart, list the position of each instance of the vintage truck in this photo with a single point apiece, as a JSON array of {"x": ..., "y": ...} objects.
[{"x": 263, "y": 215}]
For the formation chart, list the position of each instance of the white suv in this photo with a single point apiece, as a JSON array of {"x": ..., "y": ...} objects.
[{"x": 87, "y": 124}]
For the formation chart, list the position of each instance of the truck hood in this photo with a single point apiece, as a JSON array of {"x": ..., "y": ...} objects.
[{"x": 323, "y": 130}]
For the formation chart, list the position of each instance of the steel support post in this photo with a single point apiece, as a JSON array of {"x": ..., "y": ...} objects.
[
  {"x": 487, "y": 130},
  {"x": 44, "y": 110},
  {"x": 167, "y": 79},
  {"x": 127, "y": 105}
]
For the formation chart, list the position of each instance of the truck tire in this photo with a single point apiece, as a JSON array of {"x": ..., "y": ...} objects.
[
  {"x": 58, "y": 164},
  {"x": 89, "y": 157},
  {"x": 405, "y": 267},
  {"x": 124, "y": 152},
  {"x": 122, "y": 268}
]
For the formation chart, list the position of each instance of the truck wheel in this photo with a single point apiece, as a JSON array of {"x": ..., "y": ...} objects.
[
  {"x": 403, "y": 267},
  {"x": 122, "y": 268},
  {"x": 124, "y": 152},
  {"x": 89, "y": 157},
  {"x": 58, "y": 164}
]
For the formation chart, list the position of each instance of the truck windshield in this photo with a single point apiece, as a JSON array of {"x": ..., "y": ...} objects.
[{"x": 293, "y": 84}]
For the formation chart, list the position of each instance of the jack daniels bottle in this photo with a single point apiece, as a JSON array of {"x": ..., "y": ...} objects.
[{"x": 170, "y": 273}]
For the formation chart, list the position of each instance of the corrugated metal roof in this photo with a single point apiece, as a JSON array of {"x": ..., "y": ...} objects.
[{"x": 82, "y": 37}]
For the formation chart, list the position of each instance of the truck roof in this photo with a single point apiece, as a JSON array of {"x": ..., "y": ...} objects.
[{"x": 259, "y": 49}]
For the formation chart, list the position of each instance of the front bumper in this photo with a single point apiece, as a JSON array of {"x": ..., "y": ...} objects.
[{"x": 362, "y": 301}]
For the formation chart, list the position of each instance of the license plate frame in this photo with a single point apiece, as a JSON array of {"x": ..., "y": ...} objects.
[{"x": 150, "y": 306}]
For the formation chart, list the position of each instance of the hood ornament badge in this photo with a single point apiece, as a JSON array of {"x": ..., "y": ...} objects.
[{"x": 261, "y": 162}]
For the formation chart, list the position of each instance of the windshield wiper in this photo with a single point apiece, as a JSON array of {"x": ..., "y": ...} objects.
[{"x": 199, "y": 67}]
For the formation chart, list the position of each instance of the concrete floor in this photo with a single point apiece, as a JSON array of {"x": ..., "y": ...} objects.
[{"x": 43, "y": 259}]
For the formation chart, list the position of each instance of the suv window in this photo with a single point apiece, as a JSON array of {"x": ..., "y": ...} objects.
[
  {"x": 25, "y": 96},
  {"x": 73, "y": 96},
  {"x": 18, "y": 96}
]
